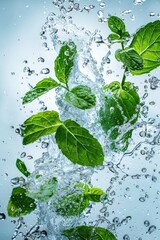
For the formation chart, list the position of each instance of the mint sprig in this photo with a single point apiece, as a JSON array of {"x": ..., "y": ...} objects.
[
  {"x": 75, "y": 142},
  {"x": 22, "y": 167},
  {"x": 78, "y": 199},
  {"x": 80, "y": 96},
  {"x": 121, "y": 107},
  {"x": 88, "y": 232},
  {"x": 146, "y": 44},
  {"x": 20, "y": 204}
]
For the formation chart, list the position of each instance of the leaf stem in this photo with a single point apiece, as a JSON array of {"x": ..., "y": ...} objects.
[
  {"x": 122, "y": 44},
  {"x": 124, "y": 77},
  {"x": 66, "y": 87}
]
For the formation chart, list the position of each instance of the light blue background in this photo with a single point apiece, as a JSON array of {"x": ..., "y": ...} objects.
[{"x": 20, "y": 24}]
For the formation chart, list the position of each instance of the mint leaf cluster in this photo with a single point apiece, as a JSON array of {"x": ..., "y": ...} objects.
[{"x": 80, "y": 96}]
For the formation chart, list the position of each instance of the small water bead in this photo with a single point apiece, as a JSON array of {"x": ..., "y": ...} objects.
[
  {"x": 15, "y": 180},
  {"x": 45, "y": 71},
  {"x": 98, "y": 38},
  {"x": 136, "y": 2},
  {"x": 146, "y": 223},
  {"x": 103, "y": 210},
  {"x": 151, "y": 229},
  {"x": 154, "y": 83},
  {"x": 2, "y": 216},
  {"x": 152, "y": 103},
  {"x": 102, "y": 4},
  {"x": 154, "y": 179},
  {"x": 40, "y": 59},
  {"x": 23, "y": 154},
  {"x": 126, "y": 237},
  {"x": 44, "y": 145},
  {"x": 142, "y": 199},
  {"x": 142, "y": 152},
  {"x": 152, "y": 14},
  {"x": 116, "y": 220},
  {"x": 126, "y": 12},
  {"x": 109, "y": 71},
  {"x": 18, "y": 130},
  {"x": 76, "y": 6},
  {"x": 145, "y": 96},
  {"x": 30, "y": 157},
  {"x": 100, "y": 14},
  {"x": 144, "y": 170},
  {"x": 151, "y": 120}
]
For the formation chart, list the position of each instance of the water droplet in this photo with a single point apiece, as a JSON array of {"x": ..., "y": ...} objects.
[
  {"x": 154, "y": 83},
  {"x": 109, "y": 71},
  {"x": 125, "y": 12},
  {"x": 103, "y": 210},
  {"x": 136, "y": 2},
  {"x": 151, "y": 120},
  {"x": 151, "y": 229},
  {"x": 23, "y": 154},
  {"x": 18, "y": 130},
  {"x": 116, "y": 220},
  {"x": 154, "y": 179},
  {"x": 40, "y": 59},
  {"x": 143, "y": 153},
  {"x": 2, "y": 216},
  {"x": 102, "y": 4},
  {"x": 142, "y": 199},
  {"x": 144, "y": 170},
  {"x": 98, "y": 38},
  {"x": 15, "y": 180},
  {"x": 126, "y": 237},
  {"x": 45, "y": 71},
  {"x": 100, "y": 14},
  {"x": 44, "y": 145},
  {"x": 146, "y": 223},
  {"x": 152, "y": 14}
]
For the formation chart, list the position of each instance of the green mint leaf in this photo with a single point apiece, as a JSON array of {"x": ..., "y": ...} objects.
[
  {"x": 81, "y": 97},
  {"x": 78, "y": 145},
  {"x": 41, "y": 88},
  {"x": 130, "y": 58},
  {"x": 95, "y": 194},
  {"x": 116, "y": 25},
  {"x": 64, "y": 62},
  {"x": 22, "y": 167},
  {"x": 120, "y": 108},
  {"x": 74, "y": 203},
  {"x": 20, "y": 204},
  {"x": 125, "y": 35},
  {"x": 88, "y": 233},
  {"x": 112, "y": 37},
  {"x": 146, "y": 43},
  {"x": 40, "y": 124},
  {"x": 122, "y": 143},
  {"x": 45, "y": 191}
]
